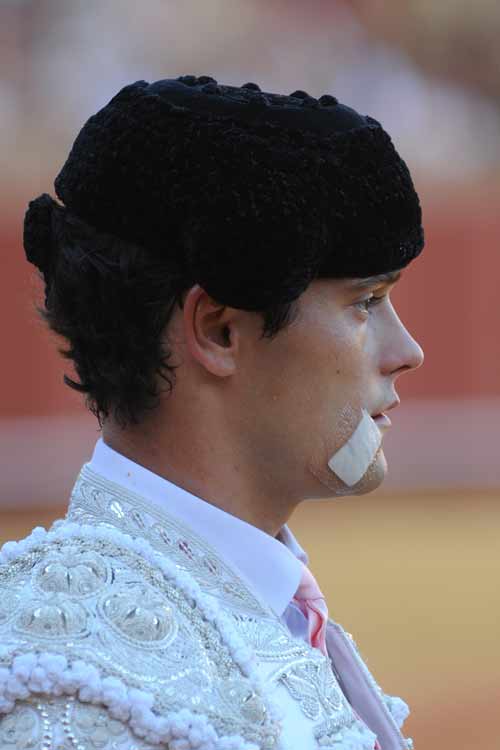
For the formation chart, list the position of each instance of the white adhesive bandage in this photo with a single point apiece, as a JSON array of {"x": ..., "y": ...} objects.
[{"x": 352, "y": 460}]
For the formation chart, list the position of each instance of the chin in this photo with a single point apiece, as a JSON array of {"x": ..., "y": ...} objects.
[
  {"x": 329, "y": 485},
  {"x": 373, "y": 477}
]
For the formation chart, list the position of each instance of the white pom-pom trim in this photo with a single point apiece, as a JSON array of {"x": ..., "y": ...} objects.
[
  {"x": 357, "y": 737},
  {"x": 52, "y": 674},
  {"x": 240, "y": 651},
  {"x": 398, "y": 709}
]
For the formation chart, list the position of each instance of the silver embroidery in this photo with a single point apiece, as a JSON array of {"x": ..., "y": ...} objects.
[
  {"x": 310, "y": 681},
  {"x": 20, "y": 729},
  {"x": 312, "y": 684},
  {"x": 270, "y": 640},
  {"x": 140, "y": 614},
  {"x": 93, "y": 727},
  {"x": 61, "y": 723},
  {"x": 9, "y": 603},
  {"x": 54, "y": 618},
  {"x": 77, "y": 574},
  {"x": 125, "y": 617}
]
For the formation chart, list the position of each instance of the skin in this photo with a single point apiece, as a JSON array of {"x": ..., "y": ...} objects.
[{"x": 251, "y": 422}]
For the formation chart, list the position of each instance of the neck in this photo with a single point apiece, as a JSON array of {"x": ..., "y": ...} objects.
[{"x": 203, "y": 468}]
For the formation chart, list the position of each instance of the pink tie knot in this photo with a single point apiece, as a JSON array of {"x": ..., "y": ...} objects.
[{"x": 313, "y": 605}]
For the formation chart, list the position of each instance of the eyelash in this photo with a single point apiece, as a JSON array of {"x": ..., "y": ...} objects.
[{"x": 366, "y": 304}]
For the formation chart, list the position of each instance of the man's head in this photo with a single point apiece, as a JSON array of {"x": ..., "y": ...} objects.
[{"x": 201, "y": 220}]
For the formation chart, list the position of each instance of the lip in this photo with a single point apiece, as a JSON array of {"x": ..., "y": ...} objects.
[{"x": 382, "y": 420}]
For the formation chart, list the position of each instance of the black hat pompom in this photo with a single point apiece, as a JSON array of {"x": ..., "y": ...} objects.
[{"x": 37, "y": 236}]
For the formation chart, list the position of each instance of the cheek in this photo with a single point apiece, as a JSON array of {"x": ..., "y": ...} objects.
[
  {"x": 319, "y": 391},
  {"x": 311, "y": 381},
  {"x": 336, "y": 430}
]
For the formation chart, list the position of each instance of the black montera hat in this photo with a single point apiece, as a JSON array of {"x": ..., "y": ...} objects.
[{"x": 247, "y": 193}]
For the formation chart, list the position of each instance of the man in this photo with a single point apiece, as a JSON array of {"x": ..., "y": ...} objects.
[{"x": 221, "y": 269}]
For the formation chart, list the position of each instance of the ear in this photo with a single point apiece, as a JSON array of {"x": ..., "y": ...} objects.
[{"x": 210, "y": 331}]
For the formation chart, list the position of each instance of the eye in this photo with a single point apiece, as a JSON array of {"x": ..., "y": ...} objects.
[{"x": 366, "y": 304}]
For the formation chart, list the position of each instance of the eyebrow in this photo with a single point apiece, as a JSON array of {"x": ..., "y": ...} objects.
[{"x": 381, "y": 278}]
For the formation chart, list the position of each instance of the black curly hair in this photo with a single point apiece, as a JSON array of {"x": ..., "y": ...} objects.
[{"x": 112, "y": 302}]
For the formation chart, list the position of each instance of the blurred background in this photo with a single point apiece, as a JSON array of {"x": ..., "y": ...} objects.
[{"x": 412, "y": 569}]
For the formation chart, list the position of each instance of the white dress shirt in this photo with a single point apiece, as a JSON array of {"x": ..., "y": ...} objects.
[{"x": 272, "y": 566}]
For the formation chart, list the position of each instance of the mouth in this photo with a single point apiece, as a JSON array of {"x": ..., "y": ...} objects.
[{"x": 381, "y": 419}]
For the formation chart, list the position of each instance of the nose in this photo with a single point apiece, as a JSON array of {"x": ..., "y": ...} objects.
[
  {"x": 415, "y": 355},
  {"x": 403, "y": 353}
]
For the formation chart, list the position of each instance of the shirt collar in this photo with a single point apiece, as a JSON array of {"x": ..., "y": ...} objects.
[{"x": 272, "y": 566}]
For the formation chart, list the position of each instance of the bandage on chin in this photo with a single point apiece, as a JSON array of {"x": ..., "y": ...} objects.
[{"x": 352, "y": 460}]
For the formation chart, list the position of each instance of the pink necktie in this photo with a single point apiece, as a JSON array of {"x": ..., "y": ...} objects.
[{"x": 312, "y": 604}]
